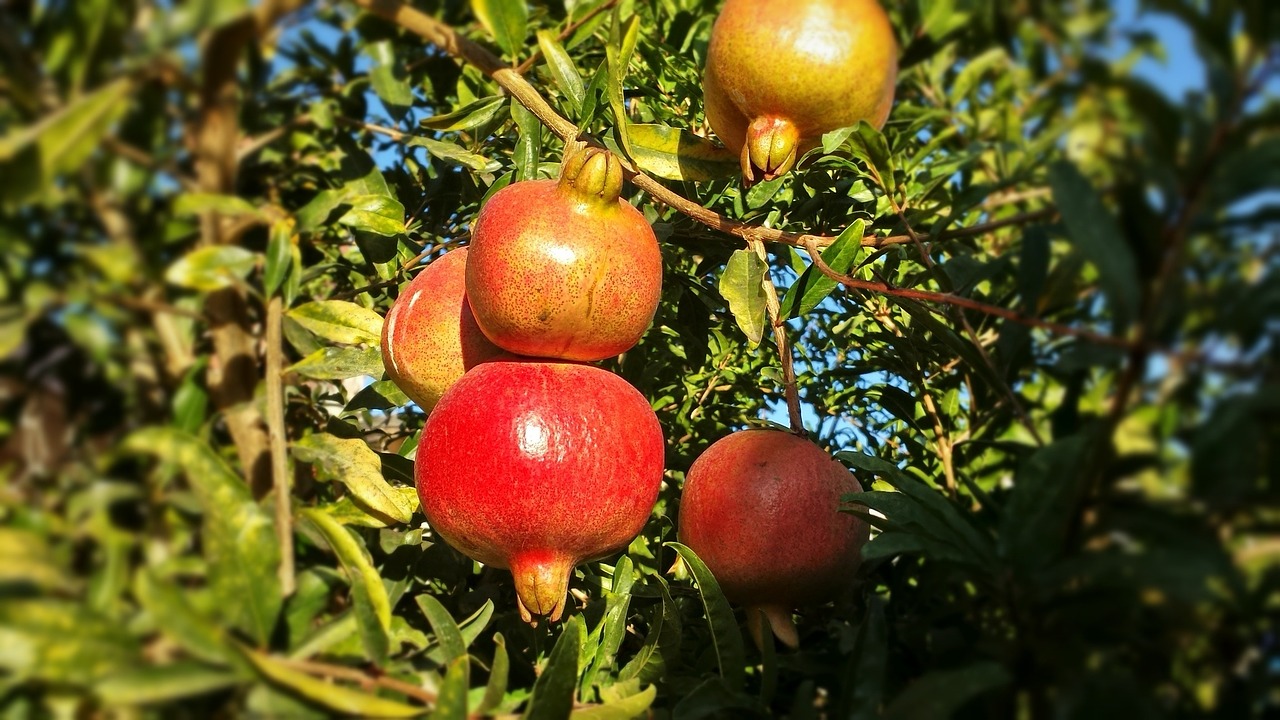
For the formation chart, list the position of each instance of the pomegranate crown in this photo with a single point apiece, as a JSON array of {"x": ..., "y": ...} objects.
[{"x": 592, "y": 175}]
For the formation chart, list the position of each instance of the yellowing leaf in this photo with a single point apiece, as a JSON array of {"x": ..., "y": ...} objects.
[
  {"x": 352, "y": 463},
  {"x": 339, "y": 321},
  {"x": 675, "y": 154}
]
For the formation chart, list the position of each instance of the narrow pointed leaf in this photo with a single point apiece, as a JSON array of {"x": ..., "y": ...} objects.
[
  {"x": 730, "y": 650},
  {"x": 553, "y": 691},
  {"x": 369, "y": 595},
  {"x": 339, "y": 321},
  {"x": 326, "y": 694}
]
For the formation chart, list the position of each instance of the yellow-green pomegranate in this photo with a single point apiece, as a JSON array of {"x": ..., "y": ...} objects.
[{"x": 780, "y": 73}]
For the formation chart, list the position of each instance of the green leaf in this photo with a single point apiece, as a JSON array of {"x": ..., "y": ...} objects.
[
  {"x": 553, "y": 691},
  {"x": 171, "y": 610},
  {"x": 32, "y": 156},
  {"x": 351, "y": 462},
  {"x": 942, "y": 693},
  {"x": 455, "y": 154},
  {"x": 62, "y": 643},
  {"x": 675, "y": 154},
  {"x": 163, "y": 684},
  {"x": 340, "y": 363},
  {"x": 868, "y": 145},
  {"x": 326, "y": 694},
  {"x": 1094, "y": 230},
  {"x": 388, "y": 77},
  {"x": 471, "y": 115},
  {"x": 368, "y": 594},
  {"x": 228, "y": 205},
  {"x": 496, "y": 688},
  {"x": 812, "y": 287},
  {"x": 618, "y": 51},
  {"x": 1046, "y": 495},
  {"x": 865, "y": 675},
  {"x": 725, "y": 634},
  {"x": 212, "y": 268},
  {"x": 632, "y": 706},
  {"x": 279, "y": 256},
  {"x": 506, "y": 20},
  {"x": 528, "y": 152},
  {"x": 613, "y": 625},
  {"x": 742, "y": 285},
  {"x": 448, "y": 635},
  {"x": 238, "y": 536},
  {"x": 378, "y": 214},
  {"x": 451, "y": 702},
  {"x": 562, "y": 70},
  {"x": 339, "y": 321}
]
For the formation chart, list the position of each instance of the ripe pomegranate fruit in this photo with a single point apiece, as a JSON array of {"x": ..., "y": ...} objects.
[
  {"x": 761, "y": 508},
  {"x": 430, "y": 336},
  {"x": 565, "y": 269},
  {"x": 780, "y": 73},
  {"x": 536, "y": 467}
]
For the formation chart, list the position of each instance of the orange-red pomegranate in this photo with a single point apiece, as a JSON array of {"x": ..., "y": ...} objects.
[
  {"x": 780, "y": 73},
  {"x": 762, "y": 510},
  {"x": 430, "y": 337},
  {"x": 565, "y": 269},
  {"x": 536, "y": 467}
]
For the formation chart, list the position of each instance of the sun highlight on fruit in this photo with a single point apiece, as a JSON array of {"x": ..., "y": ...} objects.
[
  {"x": 430, "y": 338},
  {"x": 539, "y": 466},
  {"x": 565, "y": 269},
  {"x": 761, "y": 509},
  {"x": 780, "y": 73}
]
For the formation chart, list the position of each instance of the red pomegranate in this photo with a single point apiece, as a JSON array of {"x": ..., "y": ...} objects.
[
  {"x": 536, "y": 467},
  {"x": 565, "y": 269},
  {"x": 762, "y": 510},
  {"x": 780, "y": 73},
  {"x": 430, "y": 336}
]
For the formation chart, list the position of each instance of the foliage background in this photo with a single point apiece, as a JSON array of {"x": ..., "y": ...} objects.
[{"x": 208, "y": 206}]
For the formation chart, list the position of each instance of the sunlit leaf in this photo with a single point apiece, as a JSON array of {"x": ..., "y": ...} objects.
[
  {"x": 212, "y": 268},
  {"x": 369, "y": 596},
  {"x": 742, "y": 287},
  {"x": 339, "y": 321},
  {"x": 351, "y": 462},
  {"x": 327, "y": 694},
  {"x": 506, "y": 20},
  {"x": 675, "y": 154}
]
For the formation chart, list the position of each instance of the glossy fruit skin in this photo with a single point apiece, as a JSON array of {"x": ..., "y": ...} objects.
[
  {"x": 429, "y": 337},
  {"x": 556, "y": 274},
  {"x": 538, "y": 466},
  {"x": 761, "y": 509},
  {"x": 805, "y": 66}
]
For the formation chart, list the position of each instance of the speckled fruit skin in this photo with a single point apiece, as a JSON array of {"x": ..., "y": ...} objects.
[
  {"x": 761, "y": 509},
  {"x": 816, "y": 65},
  {"x": 552, "y": 275},
  {"x": 430, "y": 338},
  {"x": 536, "y": 467}
]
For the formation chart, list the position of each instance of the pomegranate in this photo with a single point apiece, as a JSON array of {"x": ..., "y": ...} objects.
[
  {"x": 761, "y": 508},
  {"x": 780, "y": 73},
  {"x": 430, "y": 336},
  {"x": 536, "y": 467},
  {"x": 565, "y": 269}
]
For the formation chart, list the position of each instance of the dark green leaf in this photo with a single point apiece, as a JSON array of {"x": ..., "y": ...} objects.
[
  {"x": 812, "y": 287},
  {"x": 943, "y": 692},
  {"x": 724, "y": 628},
  {"x": 553, "y": 691},
  {"x": 1094, "y": 230}
]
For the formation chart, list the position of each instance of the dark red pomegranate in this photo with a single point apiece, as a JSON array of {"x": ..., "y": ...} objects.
[
  {"x": 762, "y": 510},
  {"x": 536, "y": 467}
]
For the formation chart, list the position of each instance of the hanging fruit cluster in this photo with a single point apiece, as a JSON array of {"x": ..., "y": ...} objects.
[{"x": 533, "y": 460}]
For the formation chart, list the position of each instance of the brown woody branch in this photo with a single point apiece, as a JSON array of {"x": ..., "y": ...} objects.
[{"x": 447, "y": 39}]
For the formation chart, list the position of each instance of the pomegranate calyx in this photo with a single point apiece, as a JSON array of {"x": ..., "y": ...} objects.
[
  {"x": 542, "y": 585},
  {"x": 770, "y": 150},
  {"x": 780, "y": 622},
  {"x": 592, "y": 176}
]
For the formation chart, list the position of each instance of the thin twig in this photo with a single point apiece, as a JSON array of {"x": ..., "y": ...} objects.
[
  {"x": 277, "y": 439},
  {"x": 776, "y": 321},
  {"x": 949, "y": 299}
]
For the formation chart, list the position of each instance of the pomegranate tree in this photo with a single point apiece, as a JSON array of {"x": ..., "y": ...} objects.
[
  {"x": 536, "y": 467},
  {"x": 565, "y": 269},
  {"x": 762, "y": 509},
  {"x": 780, "y": 73}
]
